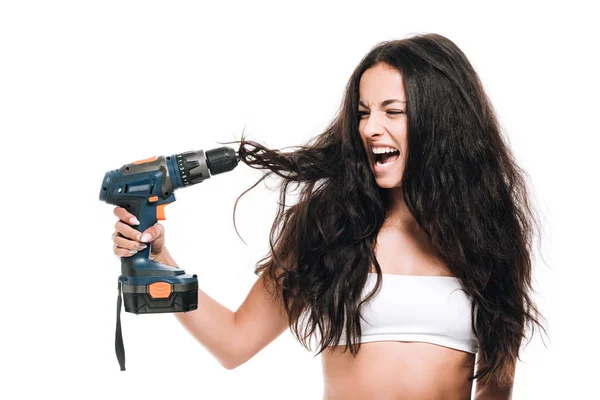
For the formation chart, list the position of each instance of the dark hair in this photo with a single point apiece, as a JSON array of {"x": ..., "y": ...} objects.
[{"x": 461, "y": 183}]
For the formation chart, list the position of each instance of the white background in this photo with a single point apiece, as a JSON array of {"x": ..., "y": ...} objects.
[{"x": 86, "y": 87}]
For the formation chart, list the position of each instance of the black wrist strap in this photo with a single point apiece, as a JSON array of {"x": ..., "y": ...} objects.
[{"x": 119, "y": 348}]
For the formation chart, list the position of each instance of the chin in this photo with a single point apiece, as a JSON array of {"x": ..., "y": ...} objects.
[{"x": 387, "y": 184}]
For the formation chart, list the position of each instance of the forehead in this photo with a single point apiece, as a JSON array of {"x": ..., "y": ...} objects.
[{"x": 381, "y": 82}]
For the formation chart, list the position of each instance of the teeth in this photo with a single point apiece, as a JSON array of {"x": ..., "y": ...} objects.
[{"x": 381, "y": 150}]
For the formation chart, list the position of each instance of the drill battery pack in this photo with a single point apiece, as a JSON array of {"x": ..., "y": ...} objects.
[
  {"x": 154, "y": 294},
  {"x": 168, "y": 294}
]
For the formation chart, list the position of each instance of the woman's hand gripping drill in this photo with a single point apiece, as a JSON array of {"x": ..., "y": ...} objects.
[{"x": 127, "y": 240}]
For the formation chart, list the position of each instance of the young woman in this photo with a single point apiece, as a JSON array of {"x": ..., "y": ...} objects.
[{"x": 408, "y": 252}]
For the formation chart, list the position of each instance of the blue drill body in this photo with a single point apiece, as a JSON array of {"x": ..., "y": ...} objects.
[{"x": 144, "y": 188}]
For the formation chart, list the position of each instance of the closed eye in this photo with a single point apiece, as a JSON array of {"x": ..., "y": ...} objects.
[{"x": 391, "y": 112}]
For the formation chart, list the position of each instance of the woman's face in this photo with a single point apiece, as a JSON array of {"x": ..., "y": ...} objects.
[{"x": 383, "y": 124}]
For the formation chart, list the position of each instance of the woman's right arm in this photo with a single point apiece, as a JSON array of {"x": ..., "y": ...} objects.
[{"x": 231, "y": 337}]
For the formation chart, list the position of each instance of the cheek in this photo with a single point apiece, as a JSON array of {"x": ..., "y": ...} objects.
[{"x": 402, "y": 140}]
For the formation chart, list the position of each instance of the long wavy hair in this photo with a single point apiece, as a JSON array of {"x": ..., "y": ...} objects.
[{"x": 460, "y": 182}]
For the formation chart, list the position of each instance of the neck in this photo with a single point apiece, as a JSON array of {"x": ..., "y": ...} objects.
[{"x": 398, "y": 214}]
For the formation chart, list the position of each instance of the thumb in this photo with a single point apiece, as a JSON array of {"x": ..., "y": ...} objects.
[
  {"x": 155, "y": 231},
  {"x": 156, "y": 235}
]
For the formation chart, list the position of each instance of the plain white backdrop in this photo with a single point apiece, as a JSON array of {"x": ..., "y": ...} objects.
[{"x": 87, "y": 86}]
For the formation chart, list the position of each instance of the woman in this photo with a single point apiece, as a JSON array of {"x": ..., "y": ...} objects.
[{"x": 410, "y": 241}]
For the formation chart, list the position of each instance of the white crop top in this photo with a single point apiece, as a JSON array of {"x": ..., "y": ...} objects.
[{"x": 432, "y": 309}]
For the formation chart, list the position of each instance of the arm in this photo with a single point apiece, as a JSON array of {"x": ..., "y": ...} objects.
[
  {"x": 492, "y": 391},
  {"x": 233, "y": 337}
]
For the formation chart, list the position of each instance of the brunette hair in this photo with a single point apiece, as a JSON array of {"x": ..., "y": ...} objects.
[{"x": 460, "y": 182}]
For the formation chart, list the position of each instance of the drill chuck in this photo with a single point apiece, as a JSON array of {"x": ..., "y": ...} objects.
[{"x": 221, "y": 159}]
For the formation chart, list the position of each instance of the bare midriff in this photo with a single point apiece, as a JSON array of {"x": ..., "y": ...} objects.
[{"x": 396, "y": 370}]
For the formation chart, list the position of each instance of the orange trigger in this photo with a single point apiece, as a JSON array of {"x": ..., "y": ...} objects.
[{"x": 160, "y": 212}]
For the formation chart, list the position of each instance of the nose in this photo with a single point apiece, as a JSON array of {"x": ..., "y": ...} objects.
[{"x": 373, "y": 126}]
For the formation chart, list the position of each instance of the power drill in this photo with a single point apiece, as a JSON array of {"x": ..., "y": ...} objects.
[{"x": 144, "y": 188}]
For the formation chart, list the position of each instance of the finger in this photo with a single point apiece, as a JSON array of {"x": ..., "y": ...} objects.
[
  {"x": 121, "y": 252},
  {"x": 125, "y": 216},
  {"x": 127, "y": 231},
  {"x": 152, "y": 233},
  {"x": 124, "y": 243}
]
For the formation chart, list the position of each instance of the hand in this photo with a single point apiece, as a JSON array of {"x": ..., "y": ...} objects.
[{"x": 128, "y": 241}]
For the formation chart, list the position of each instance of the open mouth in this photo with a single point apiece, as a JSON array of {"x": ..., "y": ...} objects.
[{"x": 386, "y": 159}]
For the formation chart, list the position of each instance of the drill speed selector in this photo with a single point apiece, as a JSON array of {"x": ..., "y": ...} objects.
[{"x": 192, "y": 166}]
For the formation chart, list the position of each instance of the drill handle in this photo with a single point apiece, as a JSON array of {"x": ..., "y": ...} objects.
[{"x": 148, "y": 211}]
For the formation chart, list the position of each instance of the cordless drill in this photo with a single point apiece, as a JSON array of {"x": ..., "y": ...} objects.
[{"x": 144, "y": 188}]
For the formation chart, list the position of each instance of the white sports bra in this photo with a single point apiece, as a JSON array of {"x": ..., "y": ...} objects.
[{"x": 432, "y": 309}]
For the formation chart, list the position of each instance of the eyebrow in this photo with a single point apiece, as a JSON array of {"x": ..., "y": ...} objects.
[{"x": 383, "y": 103}]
